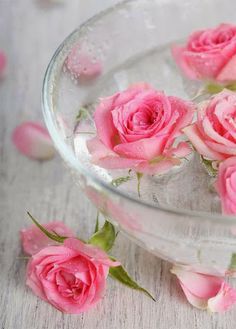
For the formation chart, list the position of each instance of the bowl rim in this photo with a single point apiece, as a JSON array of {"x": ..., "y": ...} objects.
[{"x": 70, "y": 158}]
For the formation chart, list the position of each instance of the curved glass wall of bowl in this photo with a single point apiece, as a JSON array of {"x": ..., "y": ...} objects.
[{"x": 125, "y": 45}]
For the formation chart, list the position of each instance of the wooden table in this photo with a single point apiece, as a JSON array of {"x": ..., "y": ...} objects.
[{"x": 29, "y": 32}]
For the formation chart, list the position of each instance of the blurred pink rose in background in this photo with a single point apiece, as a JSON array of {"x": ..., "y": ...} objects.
[
  {"x": 209, "y": 54},
  {"x": 214, "y": 133},
  {"x": 226, "y": 185},
  {"x": 71, "y": 277},
  {"x": 137, "y": 129}
]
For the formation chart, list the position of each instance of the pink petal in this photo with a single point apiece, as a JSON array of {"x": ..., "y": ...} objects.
[
  {"x": 194, "y": 300},
  {"x": 3, "y": 62},
  {"x": 194, "y": 135},
  {"x": 33, "y": 140},
  {"x": 179, "y": 55},
  {"x": 33, "y": 239},
  {"x": 182, "y": 150},
  {"x": 200, "y": 285},
  {"x": 105, "y": 158},
  {"x": 225, "y": 298},
  {"x": 228, "y": 73},
  {"x": 140, "y": 85},
  {"x": 145, "y": 149},
  {"x": 81, "y": 64},
  {"x": 90, "y": 251}
]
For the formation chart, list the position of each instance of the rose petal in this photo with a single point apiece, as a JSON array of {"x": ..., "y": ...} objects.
[
  {"x": 3, "y": 62},
  {"x": 201, "y": 285},
  {"x": 33, "y": 239},
  {"x": 33, "y": 140},
  {"x": 179, "y": 55},
  {"x": 225, "y": 298},
  {"x": 91, "y": 251},
  {"x": 194, "y": 135},
  {"x": 228, "y": 73},
  {"x": 81, "y": 65}
]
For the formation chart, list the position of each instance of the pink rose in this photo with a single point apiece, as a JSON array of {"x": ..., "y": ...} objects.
[
  {"x": 205, "y": 291},
  {"x": 226, "y": 185},
  {"x": 137, "y": 129},
  {"x": 214, "y": 133},
  {"x": 71, "y": 277},
  {"x": 33, "y": 239},
  {"x": 209, "y": 54}
]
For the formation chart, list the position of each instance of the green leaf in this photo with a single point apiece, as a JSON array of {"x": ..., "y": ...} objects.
[
  {"x": 232, "y": 265},
  {"x": 122, "y": 276},
  {"x": 82, "y": 114},
  {"x": 54, "y": 237},
  {"x": 120, "y": 180},
  {"x": 97, "y": 223},
  {"x": 139, "y": 176},
  {"x": 105, "y": 237},
  {"x": 208, "y": 166},
  {"x": 214, "y": 88}
]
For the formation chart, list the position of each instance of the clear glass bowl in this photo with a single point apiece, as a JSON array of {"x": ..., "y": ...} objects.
[{"x": 177, "y": 216}]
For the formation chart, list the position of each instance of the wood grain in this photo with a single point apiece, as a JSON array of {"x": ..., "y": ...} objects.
[{"x": 30, "y": 32}]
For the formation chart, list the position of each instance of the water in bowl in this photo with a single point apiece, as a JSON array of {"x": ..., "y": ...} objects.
[{"x": 183, "y": 187}]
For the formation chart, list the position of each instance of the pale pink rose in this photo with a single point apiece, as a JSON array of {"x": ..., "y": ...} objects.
[
  {"x": 82, "y": 65},
  {"x": 33, "y": 140},
  {"x": 3, "y": 62},
  {"x": 205, "y": 291},
  {"x": 33, "y": 239},
  {"x": 214, "y": 133},
  {"x": 137, "y": 129},
  {"x": 71, "y": 277},
  {"x": 209, "y": 54},
  {"x": 226, "y": 185}
]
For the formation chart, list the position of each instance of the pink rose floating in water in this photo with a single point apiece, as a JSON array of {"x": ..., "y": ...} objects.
[
  {"x": 226, "y": 185},
  {"x": 214, "y": 133},
  {"x": 138, "y": 128},
  {"x": 209, "y": 54}
]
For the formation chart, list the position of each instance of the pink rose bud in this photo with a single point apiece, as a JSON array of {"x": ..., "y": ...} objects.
[
  {"x": 33, "y": 140},
  {"x": 209, "y": 54},
  {"x": 3, "y": 62},
  {"x": 205, "y": 291},
  {"x": 226, "y": 185},
  {"x": 33, "y": 239},
  {"x": 81, "y": 65},
  {"x": 214, "y": 133},
  {"x": 71, "y": 277},
  {"x": 137, "y": 129}
]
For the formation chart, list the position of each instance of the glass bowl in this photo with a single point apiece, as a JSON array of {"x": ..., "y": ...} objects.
[{"x": 177, "y": 216}]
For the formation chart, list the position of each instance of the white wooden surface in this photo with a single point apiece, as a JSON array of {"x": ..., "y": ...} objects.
[{"x": 29, "y": 33}]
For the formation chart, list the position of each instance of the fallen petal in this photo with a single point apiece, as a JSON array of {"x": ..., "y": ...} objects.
[
  {"x": 33, "y": 239},
  {"x": 225, "y": 298},
  {"x": 33, "y": 140},
  {"x": 3, "y": 62}
]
